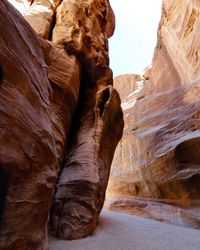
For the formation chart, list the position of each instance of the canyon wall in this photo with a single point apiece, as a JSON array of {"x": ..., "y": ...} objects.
[
  {"x": 158, "y": 158},
  {"x": 58, "y": 121}
]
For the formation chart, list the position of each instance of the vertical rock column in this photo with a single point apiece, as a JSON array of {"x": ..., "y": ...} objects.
[{"x": 83, "y": 28}]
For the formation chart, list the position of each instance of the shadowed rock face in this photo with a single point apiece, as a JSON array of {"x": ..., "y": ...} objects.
[
  {"x": 80, "y": 191},
  {"x": 158, "y": 157},
  {"x": 25, "y": 135},
  {"x": 58, "y": 118},
  {"x": 1, "y": 74}
]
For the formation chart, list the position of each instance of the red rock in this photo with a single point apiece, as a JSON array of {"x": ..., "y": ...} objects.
[
  {"x": 41, "y": 86},
  {"x": 64, "y": 76},
  {"x": 25, "y": 135}
]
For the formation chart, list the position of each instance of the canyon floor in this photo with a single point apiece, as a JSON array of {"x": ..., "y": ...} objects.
[{"x": 117, "y": 231}]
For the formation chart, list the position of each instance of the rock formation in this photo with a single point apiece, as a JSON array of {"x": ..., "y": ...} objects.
[
  {"x": 158, "y": 157},
  {"x": 79, "y": 197},
  {"x": 58, "y": 114}
]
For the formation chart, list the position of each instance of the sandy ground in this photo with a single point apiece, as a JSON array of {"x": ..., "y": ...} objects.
[{"x": 118, "y": 231}]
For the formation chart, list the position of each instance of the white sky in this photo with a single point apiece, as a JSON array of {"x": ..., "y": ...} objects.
[{"x": 132, "y": 45}]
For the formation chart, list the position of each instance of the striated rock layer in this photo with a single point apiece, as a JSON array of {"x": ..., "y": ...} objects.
[
  {"x": 158, "y": 157},
  {"x": 58, "y": 117},
  {"x": 81, "y": 187}
]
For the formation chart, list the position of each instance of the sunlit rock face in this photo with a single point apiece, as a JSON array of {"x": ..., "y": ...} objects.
[
  {"x": 38, "y": 13},
  {"x": 158, "y": 157},
  {"x": 61, "y": 120}
]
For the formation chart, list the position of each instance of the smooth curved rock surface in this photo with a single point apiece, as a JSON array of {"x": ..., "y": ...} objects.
[
  {"x": 64, "y": 76},
  {"x": 25, "y": 136},
  {"x": 50, "y": 97},
  {"x": 81, "y": 187}
]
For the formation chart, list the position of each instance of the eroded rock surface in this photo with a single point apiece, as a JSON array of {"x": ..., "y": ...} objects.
[
  {"x": 82, "y": 183},
  {"x": 58, "y": 116},
  {"x": 25, "y": 135},
  {"x": 81, "y": 188},
  {"x": 38, "y": 13},
  {"x": 158, "y": 157}
]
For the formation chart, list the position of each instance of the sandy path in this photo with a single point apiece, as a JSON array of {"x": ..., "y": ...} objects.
[{"x": 118, "y": 231}]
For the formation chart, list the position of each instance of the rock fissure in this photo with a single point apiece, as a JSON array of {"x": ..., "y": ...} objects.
[{"x": 61, "y": 121}]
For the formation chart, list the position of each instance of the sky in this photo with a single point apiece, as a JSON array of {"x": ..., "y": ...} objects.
[{"x": 132, "y": 45}]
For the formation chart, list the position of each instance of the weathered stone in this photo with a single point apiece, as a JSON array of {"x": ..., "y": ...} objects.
[
  {"x": 25, "y": 136},
  {"x": 64, "y": 75},
  {"x": 157, "y": 158},
  {"x": 35, "y": 123},
  {"x": 38, "y": 13},
  {"x": 40, "y": 88},
  {"x": 84, "y": 33},
  {"x": 81, "y": 188}
]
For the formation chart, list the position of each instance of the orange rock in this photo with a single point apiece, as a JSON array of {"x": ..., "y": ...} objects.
[
  {"x": 158, "y": 155},
  {"x": 82, "y": 184}
]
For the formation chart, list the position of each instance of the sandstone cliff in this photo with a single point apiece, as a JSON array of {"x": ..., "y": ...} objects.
[
  {"x": 58, "y": 121},
  {"x": 158, "y": 157}
]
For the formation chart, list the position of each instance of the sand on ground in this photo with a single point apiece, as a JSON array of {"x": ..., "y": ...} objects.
[{"x": 117, "y": 231}]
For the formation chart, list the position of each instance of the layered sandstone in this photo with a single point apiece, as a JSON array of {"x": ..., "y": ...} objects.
[
  {"x": 25, "y": 135},
  {"x": 158, "y": 157},
  {"x": 58, "y": 114},
  {"x": 81, "y": 187}
]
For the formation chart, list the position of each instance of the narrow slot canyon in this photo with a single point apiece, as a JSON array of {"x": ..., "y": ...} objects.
[{"x": 98, "y": 152}]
